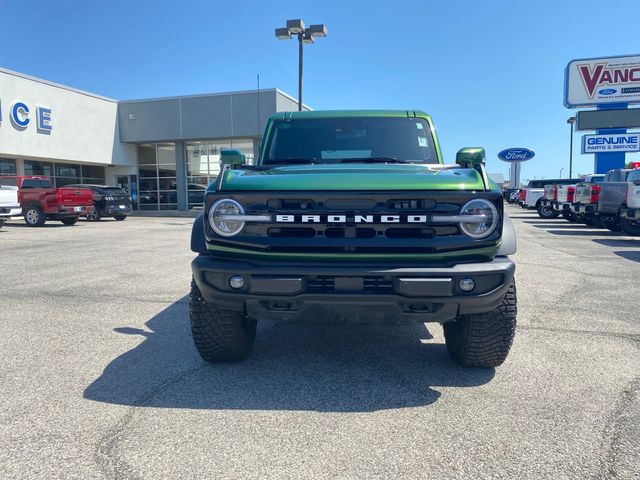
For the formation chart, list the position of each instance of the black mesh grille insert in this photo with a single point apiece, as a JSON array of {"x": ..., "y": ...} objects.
[{"x": 327, "y": 284}]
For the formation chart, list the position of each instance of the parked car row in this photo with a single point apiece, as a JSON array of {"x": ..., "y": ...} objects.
[
  {"x": 37, "y": 200},
  {"x": 609, "y": 201}
]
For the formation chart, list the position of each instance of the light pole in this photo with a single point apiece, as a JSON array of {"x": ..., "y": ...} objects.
[
  {"x": 305, "y": 36},
  {"x": 561, "y": 172},
  {"x": 571, "y": 121}
]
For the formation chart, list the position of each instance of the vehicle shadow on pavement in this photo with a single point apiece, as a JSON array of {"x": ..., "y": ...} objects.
[
  {"x": 629, "y": 255},
  {"x": 326, "y": 368},
  {"x": 50, "y": 224},
  {"x": 561, "y": 225},
  {"x": 523, "y": 217},
  {"x": 612, "y": 242},
  {"x": 587, "y": 232}
]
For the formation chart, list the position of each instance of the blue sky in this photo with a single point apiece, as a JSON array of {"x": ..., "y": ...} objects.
[{"x": 489, "y": 72}]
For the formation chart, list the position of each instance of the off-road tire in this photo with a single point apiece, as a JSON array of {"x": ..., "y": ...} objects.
[
  {"x": 120, "y": 217},
  {"x": 2, "y": 220},
  {"x": 483, "y": 340},
  {"x": 219, "y": 335},
  {"x": 570, "y": 217},
  {"x": 546, "y": 212},
  {"x": 69, "y": 221},
  {"x": 630, "y": 227},
  {"x": 34, "y": 217}
]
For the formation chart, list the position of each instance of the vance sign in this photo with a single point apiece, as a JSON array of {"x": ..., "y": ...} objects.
[
  {"x": 613, "y": 142},
  {"x": 516, "y": 154},
  {"x": 595, "y": 81}
]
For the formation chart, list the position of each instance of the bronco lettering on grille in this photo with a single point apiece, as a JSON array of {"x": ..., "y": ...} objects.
[{"x": 351, "y": 218}]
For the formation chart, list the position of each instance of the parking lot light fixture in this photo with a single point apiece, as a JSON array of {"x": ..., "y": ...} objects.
[
  {"x": 318, "y": 31},
  {"x": 283, "y": 34},
  {"x": 295, "y": 26},
  {"x": 305, "y": 37}
]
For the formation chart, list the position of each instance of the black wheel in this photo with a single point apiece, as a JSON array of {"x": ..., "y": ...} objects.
[
  {"x": 219, "y": 335},
  {"x": 34, "y": 217},
  {"x": 94, "y": 216},
  {"x": 613, "y": 225},
  {"x": 120, "y": 217},
  {"x": 69, "y": 221},
  {"x": 2, "y": 220},
  {"x": 483, "y": 340},
  {"x": 546, "y": 212},
  {"x": 588, "y": 221},
  {"x": 569, "y": 216},
  {"x": 630, "y": 227}
]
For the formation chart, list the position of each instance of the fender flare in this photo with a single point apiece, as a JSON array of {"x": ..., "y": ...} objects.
[
  {"x": 508, "y": 246},
  {"x": 198, "y": 243}
]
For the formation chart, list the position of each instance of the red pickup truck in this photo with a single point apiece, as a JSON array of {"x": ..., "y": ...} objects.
[{"x": 41, "y": 201}]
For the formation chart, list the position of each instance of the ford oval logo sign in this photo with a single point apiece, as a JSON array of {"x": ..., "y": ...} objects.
[
  {"x": 607, "y": 91},
  {"x": 516, "y": 154}
]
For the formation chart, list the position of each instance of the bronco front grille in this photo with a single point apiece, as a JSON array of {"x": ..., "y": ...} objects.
[{"x": 297, "y": 234}]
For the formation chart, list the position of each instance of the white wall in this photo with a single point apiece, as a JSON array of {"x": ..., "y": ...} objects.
[{"x": 84, "y": 126}]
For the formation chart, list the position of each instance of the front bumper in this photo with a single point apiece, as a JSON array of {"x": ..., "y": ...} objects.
[{"x": 353, "y": 294}]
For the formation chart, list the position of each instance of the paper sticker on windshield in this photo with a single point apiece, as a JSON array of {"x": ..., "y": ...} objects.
[
  {"x": 419, "y": 126},
  {"x": 422, "y": 141}
]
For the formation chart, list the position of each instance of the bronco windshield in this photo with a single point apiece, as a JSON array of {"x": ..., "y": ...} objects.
[{"x": 350, "y": 140}]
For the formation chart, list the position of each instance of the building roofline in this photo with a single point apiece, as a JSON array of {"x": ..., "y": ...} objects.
[
  {"x": 210, "y": 94},
  {"x": 56, "y": 85},
  {"x": 216, "y": 94},
  {"x": 174, "y": 97}
]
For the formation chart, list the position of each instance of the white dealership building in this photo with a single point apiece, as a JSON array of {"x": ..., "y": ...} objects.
[{"x": 164, "y": 151}]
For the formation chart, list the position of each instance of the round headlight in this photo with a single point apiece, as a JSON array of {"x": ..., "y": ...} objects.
[
  {"x": 219, "y": 217},
  {"x": 483, "y": 218}
]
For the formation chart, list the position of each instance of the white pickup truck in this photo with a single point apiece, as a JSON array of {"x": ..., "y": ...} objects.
[
  {"x": 630, "y": 213},
  {"x": 585, "y": 200},
  {"x": 536, "y": 198},
  {"x": 9, "y": 206}
]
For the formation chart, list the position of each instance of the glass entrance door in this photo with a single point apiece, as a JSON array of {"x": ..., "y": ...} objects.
[{"x": 129, "y": 183}]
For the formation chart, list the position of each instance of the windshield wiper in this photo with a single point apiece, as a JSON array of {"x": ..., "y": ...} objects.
[
  {"x": 372, "y": 160},
  {"x": 291, "y": 161}
]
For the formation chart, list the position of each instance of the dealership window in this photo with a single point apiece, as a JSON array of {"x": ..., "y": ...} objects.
[
  {"x": 203, "y": 163},
  {"x": 38, "y": 168},
  {"x": 7, "y": 166},
  {"x": 66, "y": 173},
  {"x": 157, "y": 177},
  {"x": 92, "y": 174}
]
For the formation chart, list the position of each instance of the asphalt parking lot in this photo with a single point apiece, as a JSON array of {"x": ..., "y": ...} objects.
[{"x": 100, "y": 379}]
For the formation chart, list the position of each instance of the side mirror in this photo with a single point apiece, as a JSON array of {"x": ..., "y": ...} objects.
[
  {"x": 470, "y": 156},
  {"x": 232, "y": 157}
]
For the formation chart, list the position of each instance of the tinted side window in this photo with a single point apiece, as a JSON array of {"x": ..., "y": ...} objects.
[{"x": 635, "y": 175}]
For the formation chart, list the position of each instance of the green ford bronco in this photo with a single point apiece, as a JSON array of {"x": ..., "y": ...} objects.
[{"x": 353, "y": 217}]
